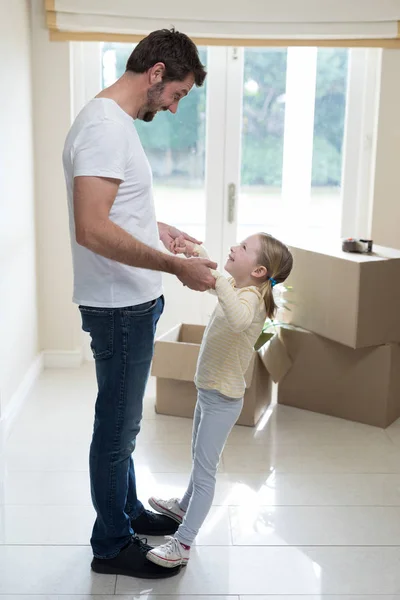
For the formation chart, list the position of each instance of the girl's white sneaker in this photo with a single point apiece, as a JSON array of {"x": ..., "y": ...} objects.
[
  {"x": 171, "y": 554},
  {"x": 169, "y": 507}
]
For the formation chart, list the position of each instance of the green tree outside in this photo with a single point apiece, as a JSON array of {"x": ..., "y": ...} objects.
[{"x": 172, "y": 138}]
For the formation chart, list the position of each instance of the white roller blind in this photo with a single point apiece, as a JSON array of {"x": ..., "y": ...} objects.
[{"x": 259, "y": 22}]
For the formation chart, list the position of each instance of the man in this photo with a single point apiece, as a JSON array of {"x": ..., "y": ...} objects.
[{"x": 117, "y": 280}]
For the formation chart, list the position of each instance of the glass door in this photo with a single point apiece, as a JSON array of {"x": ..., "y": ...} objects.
[
  {"x": 262, "y": 140},
  {"x": 291, "y": 132}
]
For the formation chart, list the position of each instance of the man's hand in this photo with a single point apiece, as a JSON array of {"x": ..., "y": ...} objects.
[
  {"x": 182, "y": 246},
  {"x": 169, "y": 234},
  {"x": 195, "y": 274}
]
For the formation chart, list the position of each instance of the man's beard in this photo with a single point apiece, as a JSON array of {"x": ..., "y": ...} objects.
[{"x": 153, "y": 105}]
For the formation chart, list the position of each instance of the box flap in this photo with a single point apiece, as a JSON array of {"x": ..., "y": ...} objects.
[
  {"x": 276, "y": 358},
  {"x": 172, "y": 335},
  {"x": 176, "y": 352},
  {"x": 192, "y": 334},
  {"x": 175, "y": 360},
  {"x": 248, "y": 376}
]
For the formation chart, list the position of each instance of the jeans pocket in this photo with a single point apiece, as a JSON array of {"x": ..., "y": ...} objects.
[
  {"x": 140, "y": 310},
  {"x": 99, "y": 323}
]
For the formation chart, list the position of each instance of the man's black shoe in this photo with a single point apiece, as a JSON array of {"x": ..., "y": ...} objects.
[
  {"x": 132, "y": 562},
  {"x": 150, "y": 523}
]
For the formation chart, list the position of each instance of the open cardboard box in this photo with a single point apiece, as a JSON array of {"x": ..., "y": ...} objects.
[
  {"x": 174, "y": 365},
  {"x": 352, "y": 299},
  {"x": 326, "y": 377}
]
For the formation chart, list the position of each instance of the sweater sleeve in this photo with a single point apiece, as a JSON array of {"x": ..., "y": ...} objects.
[
  {"x": 239, "y": 307},
  {"x": 202, "y": 252}
]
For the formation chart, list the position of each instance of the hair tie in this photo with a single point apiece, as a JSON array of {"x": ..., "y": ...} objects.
[{"x": 273, "y": 281}]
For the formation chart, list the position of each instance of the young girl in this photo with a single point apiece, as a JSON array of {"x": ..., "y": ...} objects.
[{"x": 245, "y": 301}]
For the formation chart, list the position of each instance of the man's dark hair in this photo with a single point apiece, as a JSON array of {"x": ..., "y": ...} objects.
[{"x": 176, "y": 50}]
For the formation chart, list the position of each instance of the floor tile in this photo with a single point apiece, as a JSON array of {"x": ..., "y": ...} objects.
[
  {"x": 281, "y": 570},
  {"x": 393, "y": 432},
  {"x": 65, "y": 597},
  {"x": 142, "y": 596},
  {"x": 72, "y": 525},
  {"x": 171, "y": 430},
  {"x": 50, "y": 570},
  {"x": 71, "y": 488},
  {"x": 67, "y": 453},
  {"x": 164, "y": 458},
  {"x": 164, "y": 485},
  {"x": 47, "y": 525},
  {"x": 312, "y": 459},
  {"x": 216, "y": 529},
  {"x": 315, "y": 526},
  {"x": 319, "y": 597},
  {"x": 318, "y": 489},
  {"x": 283, "y": 428}
]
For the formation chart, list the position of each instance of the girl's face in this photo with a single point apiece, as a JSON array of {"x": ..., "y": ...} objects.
[{"x": 244, "y": 259}]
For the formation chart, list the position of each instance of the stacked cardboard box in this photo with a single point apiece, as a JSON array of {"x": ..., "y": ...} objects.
[{"x": 346, "y": 356}]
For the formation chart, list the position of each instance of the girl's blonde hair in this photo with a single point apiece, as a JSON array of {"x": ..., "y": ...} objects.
[{"x": 278, "y": 260}]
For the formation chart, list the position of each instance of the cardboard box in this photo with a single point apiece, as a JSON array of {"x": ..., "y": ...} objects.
[
  {"x": 353, "y": 299},
  {"x": 174, "y": 365},
  {"x": 326, "y": 377}
]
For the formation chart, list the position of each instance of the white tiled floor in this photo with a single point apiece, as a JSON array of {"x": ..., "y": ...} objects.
[{"x": 307, "y": 507}]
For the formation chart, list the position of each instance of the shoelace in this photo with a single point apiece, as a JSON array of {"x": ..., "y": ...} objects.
[
  {"x": 142, "y": 543},
  {"x": 172, "y": 546}
]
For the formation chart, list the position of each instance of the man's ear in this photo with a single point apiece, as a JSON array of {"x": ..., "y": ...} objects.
[{"x": 156, "y": 73}]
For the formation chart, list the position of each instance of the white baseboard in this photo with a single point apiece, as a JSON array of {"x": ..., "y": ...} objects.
[
  {"x": 60, "y": 359},
  {"x": 19, "y": 398}
]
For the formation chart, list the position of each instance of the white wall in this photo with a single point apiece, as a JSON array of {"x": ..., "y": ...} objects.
[
  {"x": 59, "y": 322},
  {"x": 386, "y": 209},
  {"x": 18, "y": 304}
]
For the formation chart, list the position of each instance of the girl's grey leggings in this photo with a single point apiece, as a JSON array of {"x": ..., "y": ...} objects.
[{"x": 214, "y": 417}]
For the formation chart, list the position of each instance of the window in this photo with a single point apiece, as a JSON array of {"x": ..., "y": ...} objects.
[{"x": 277, "y": 177}]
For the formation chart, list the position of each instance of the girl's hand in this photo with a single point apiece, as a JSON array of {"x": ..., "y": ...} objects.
[
  {"x": 169, "y": 234},
  {"x": 182, "y": 246}
]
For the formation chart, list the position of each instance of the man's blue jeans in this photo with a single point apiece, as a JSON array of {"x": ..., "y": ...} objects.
[{"x": 122, "y": 341}]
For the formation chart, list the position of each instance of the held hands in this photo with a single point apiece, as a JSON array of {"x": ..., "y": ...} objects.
[
  {"x": 194, "y": 272},
  {"x": 180, "y": 245},
  {"x": 169, "y": 235},
  {"x": 198, "y": 275}
]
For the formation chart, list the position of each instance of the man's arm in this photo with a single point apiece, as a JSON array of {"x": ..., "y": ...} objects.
[{"x": 93, "y": 199}]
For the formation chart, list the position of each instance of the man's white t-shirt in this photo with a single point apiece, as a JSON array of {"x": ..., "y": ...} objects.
[{"x": 103, "y": 142}]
